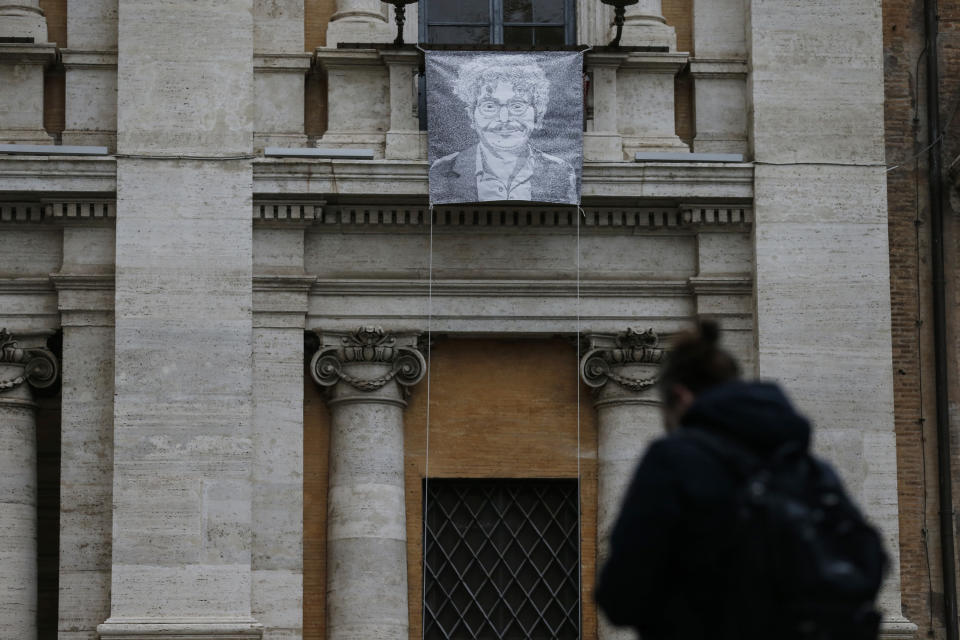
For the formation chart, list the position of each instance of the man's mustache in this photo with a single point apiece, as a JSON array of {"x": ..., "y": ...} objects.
[{"x": 506, "y": 127}]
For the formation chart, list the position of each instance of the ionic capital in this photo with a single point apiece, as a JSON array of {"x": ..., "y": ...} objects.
[
  {"x": 629, "y": 360},
  {"x": 367, "y": 360},
  {"x": 38, "y": 367}
]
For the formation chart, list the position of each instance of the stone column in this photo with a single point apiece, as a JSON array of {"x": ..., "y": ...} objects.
[
  {"x": 404, "y": 140},
  {"x": 644, "y": 25},
  {"x": 359, "y": 21},
  {"x": 603, "y": 142},
  {"x": 622, "y": 369},
  {"x": 22, "y": 19},
  {"x": 367, "y": 373},
  {"x": 19, "y": 368},
  {"x": 21, "y": 72}
]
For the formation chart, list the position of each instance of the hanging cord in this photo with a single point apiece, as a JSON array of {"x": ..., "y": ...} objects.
[
  {"x": 580, "y": 213},
  {"x": 426, "y": 457}
]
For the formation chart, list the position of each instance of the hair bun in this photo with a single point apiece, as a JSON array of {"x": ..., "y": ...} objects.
[{"x": 709, "y": 331}]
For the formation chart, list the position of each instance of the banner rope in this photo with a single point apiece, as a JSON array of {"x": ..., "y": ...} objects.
[
  {"x": 426, "y": 457},
  {"x": 580, "y": 213}
]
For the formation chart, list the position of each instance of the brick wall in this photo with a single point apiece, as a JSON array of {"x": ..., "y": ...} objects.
[
  {"x": 54, "y": 80},
  {"x": 502, "y": 409},
  {"x": 910, "y": 288},
  {"x": 679, "y": 14},
  {"x": 316, "y": 446}
]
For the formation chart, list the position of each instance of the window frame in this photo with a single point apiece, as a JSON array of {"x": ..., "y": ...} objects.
[{"x": 496, "y": 24}]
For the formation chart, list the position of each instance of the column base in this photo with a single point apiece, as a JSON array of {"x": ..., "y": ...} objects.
[
  {"x": 897, "y": 628},
  {"x": 25, "y": 136},
  {"x": 180, "y": 628},
  {"x": 106, "y": 139},
  {"x": 359, "y": 30},
  {"x": 602, "y": 147},
  {"x": 356, "y": 140},
  {"x": 633, "y": 144},
  {"x": 644, "y": 32},
  {"x": 719, "y": 143},
  {"x": 406, "y": 145},
  {"x": 285, "y": 140}
]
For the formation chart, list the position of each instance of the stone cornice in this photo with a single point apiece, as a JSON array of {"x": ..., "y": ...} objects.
[
  {"x": 735, "y": 216},
  {"x": 45, "y": 174},
  {"x": 682, "y": 181},
  {"x": 281, "y": 62},
  {"x": 500, "y": 288},
  {"x": 88, "y": 59},
  {"x": 727, "y": 285},
  {"x": 83, "y": 281},
  {"x": 292, "y": 283},
  {"x": 28, "y": 53},
  {"x": 20, "y": 286},
  {"x": 718, "y": 68},
  {"x": 286, "y": 213},
  {"x": 63, "y": 210},
  {"x": 655, "y": 62}
]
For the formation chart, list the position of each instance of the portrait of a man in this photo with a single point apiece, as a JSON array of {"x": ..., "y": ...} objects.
[{"x": 498, "y": 147}]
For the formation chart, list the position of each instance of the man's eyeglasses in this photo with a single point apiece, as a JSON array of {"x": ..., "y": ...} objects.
[{"x": 489, "y": 107}]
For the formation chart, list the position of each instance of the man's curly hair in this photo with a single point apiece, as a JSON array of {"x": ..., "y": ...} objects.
[{"x": 526, "y": 79}]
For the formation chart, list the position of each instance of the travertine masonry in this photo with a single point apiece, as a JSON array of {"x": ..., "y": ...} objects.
[
  {"x": 823, "y": 296},
  {"x": 182, "y": 493}
]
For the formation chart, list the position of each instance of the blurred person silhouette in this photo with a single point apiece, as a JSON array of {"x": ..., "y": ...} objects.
[{"x": 730, "y": 528}]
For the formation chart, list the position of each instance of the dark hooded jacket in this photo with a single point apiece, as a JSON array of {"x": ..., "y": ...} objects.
[{"x": 672, "y": 547}]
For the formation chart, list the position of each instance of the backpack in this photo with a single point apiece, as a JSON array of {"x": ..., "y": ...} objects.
[{"x": 809, "y": 564}]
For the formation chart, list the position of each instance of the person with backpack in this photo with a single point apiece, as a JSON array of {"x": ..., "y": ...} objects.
[{"x": 730, "y": 528}]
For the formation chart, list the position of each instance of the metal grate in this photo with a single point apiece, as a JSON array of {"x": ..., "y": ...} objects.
[{"x": 502, "y": 560}]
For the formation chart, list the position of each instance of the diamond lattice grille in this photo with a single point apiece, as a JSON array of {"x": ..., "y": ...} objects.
[{"x": 502, "y": 560}]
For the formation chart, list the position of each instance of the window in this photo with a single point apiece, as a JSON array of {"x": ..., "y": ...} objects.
[
  {"x": 518, "y": 23},
  {"x": 502, "y": 560}
]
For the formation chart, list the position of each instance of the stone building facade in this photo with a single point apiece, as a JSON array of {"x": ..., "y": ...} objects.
[{"x": 248, "y": 348}]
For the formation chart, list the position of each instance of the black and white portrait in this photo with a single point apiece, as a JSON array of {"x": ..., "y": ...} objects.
[{"x": 505, "y": 126}]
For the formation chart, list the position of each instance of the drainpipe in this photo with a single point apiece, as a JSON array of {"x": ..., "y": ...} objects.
[{"x": 935, "y": 178}]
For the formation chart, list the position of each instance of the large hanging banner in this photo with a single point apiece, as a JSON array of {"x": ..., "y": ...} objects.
[{"x": 505, "y": 126}]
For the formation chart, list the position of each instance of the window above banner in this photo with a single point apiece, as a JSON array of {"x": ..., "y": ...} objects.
[{"x": 520, "y": 23}]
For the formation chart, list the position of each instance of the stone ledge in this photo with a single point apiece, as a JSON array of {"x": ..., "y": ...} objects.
[
  {"x": 28, "y": 53},
  {"x": 181, "y": 629},
  {"x": 88, "y": 59},
  {"x": 282, "y": 62},
  {"x": 718, "y": 68}
]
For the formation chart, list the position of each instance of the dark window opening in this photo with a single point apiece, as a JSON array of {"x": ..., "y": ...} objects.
[
  {"x": 509, "y": 22},
  {"x": 501, "y": 560}
]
